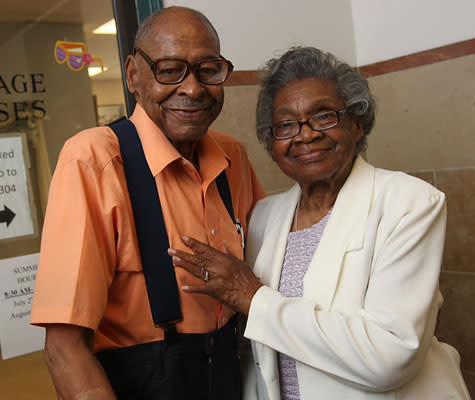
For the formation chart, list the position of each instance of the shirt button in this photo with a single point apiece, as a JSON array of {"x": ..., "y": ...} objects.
[{"x": 213, "y": 232}]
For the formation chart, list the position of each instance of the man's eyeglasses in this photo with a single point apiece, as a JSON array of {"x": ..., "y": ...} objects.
[
  {"x": 170, "y": 71},
  {"x": 318, "y": 122}
]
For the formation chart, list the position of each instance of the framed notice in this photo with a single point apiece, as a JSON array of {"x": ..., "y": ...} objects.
[
  {"x": 17, "y": 282},
  {"x": 16, "y": 216},
  {"x": 109, "y": 113}
]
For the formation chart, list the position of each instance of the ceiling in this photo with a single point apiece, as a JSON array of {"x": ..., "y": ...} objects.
[{"x": 89, "y": 13}]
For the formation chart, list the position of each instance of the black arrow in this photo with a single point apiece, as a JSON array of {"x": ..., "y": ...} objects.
[{"x": 6, "y": 215}]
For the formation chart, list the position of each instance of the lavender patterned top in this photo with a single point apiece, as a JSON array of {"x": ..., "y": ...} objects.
[{"x": 301, "y": 246}]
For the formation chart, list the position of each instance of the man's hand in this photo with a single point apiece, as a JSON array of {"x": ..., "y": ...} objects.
[
  {"x": 225, "y": 277},
  {"x": 76, "y": 372}
]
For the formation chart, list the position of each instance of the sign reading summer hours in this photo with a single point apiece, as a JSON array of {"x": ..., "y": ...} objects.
[
  {"x": 15, "y": 210},
  {"x": 17, "y": 281}
]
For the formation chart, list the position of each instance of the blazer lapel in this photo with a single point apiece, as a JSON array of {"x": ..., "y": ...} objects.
[
  {"x": 344, "y": 233},
  {"x": 268, "y": 265}
]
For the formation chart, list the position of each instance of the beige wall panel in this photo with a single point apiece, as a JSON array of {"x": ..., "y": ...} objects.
[
  {"x": 456, "y": 324},
  {"x": 425, "y": 117},
  {"x": 69, "y": 98},
  {"x": 459, "y": 187},
  {"x": 238, "y": 119},
  {"x": 108, "y": 91},
  {"x": 66, "y": 94}
]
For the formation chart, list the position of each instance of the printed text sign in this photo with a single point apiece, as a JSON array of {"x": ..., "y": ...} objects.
[{"x": 15, "y": 209}]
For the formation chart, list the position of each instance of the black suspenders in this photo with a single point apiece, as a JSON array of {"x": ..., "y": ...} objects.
[{"x": 152, "y": 236}]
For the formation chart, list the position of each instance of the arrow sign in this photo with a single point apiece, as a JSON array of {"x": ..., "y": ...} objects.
[
  {"x": 15, "y": 188},
  {"x": 6, "y": 215}
]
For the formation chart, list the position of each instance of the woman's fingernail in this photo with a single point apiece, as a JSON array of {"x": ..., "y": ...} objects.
[
  {"x": 176, "y": 258},
  {"x": 171, "y": 252},
  {"x": 185, "y": 288},
  {"x": 185, "y": 238}
]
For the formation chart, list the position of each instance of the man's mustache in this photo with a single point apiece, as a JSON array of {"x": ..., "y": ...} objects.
[{"x": 189, "y": 103}]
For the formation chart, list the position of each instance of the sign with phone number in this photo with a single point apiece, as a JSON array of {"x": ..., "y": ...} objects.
[{"x": 15, "y": 209}]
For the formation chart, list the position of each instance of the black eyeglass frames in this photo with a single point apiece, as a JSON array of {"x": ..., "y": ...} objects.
[
  {"x": 317, "y": 122},
  {"x": 170, "y": 71}
]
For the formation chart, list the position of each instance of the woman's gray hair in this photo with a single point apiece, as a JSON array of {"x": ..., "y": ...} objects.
[{"x": 309, "y": 62}]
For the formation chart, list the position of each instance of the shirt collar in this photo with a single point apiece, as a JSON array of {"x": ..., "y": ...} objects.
[{"x": 160, "y": 152}]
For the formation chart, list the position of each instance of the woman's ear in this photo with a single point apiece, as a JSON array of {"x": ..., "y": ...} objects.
[
  {"x": 358, "y": 129},
  {"x": 131, "y": 72},
  {"x": 272, "y": 150}
]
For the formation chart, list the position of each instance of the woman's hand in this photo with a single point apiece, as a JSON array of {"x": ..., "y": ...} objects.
[{"x": 225, "y": 277}]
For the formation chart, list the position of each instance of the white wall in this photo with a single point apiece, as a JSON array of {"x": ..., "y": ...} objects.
[
  {"x": 359, "y": 31},
  {"x": 252, "y": 31},
  {"x": 386, "y": 29}
]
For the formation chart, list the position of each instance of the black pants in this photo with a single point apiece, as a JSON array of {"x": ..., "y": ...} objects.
[{"x": 184, "y": 366}]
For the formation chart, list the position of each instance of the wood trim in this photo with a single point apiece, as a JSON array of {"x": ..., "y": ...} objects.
[
  {"x": 243, "y": 78},
  {"x": 419, "y": 59},
  {"x": 455, "y": 50}
]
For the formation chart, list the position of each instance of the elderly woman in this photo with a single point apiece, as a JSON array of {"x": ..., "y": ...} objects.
[{"x": 342, "y": 299}]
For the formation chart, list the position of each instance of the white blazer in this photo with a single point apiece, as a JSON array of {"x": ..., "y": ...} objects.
[{"x": 364, "y": 328}]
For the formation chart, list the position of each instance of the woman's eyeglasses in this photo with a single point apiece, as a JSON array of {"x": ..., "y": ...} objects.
[{"x": 318, "y": 122}]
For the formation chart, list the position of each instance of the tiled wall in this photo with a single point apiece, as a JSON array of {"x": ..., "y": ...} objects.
[
  {"x": 426, "y": 117},
  {"x": 457, "y": 280},
  {"x": 425, "y": 126}
]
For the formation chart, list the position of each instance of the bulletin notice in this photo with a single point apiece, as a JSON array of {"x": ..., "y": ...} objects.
[
  {"x": 17, "y": 282},
  {"x": 15, "y": 203}
]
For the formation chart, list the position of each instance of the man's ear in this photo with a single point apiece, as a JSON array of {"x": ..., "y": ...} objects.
[{"x": 131, "y": 73}]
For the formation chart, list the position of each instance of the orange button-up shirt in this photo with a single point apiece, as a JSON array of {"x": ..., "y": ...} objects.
[{"x": 90, "y": 272}]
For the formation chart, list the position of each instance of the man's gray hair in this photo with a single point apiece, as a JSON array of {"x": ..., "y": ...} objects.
[{"x": 309, "y": 62}]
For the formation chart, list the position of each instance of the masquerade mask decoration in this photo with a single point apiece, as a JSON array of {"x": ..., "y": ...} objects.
[{"x": 74, "y": 55}]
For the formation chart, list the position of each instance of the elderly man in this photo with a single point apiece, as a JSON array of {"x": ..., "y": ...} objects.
[{"x": 106, "y": 291}]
